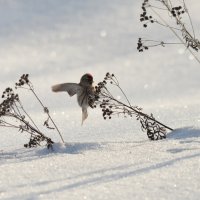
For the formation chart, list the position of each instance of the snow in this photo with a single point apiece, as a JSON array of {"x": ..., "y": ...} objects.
[{"x": 58, "y": 41}]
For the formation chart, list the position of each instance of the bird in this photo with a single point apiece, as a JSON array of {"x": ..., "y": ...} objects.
[{"x": 83, "y": 90}]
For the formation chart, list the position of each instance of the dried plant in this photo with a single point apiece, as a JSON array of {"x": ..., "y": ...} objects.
[
  {"x": 12, "y": 108},
  {"x": 173, "y": 16},
  {"x": 111, "y": 106}
]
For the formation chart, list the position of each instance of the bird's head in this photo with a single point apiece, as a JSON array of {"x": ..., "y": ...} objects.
[{"x": 86, "y": 80}]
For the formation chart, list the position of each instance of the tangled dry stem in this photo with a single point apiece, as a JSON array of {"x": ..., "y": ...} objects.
[
  {"x": 111, "y": 106},
  {"x": 12, "y": 108}
]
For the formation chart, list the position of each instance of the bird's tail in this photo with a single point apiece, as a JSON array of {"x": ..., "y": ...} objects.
[{"x": 84, "y": 114}]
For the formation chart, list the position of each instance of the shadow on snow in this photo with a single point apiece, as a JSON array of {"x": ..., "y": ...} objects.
[{"x": 184, "y": 133}]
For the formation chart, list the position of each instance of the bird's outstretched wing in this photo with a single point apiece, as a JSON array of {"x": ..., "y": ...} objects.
[{"x": 71, "y": 88}]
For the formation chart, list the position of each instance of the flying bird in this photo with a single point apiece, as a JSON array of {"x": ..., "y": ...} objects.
[{"x": 83, "y": 90}]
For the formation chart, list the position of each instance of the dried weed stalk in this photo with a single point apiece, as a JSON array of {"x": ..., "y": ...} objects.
[
  {"x": 111, "y": 106},
  {"x": 12, "y": 108}
]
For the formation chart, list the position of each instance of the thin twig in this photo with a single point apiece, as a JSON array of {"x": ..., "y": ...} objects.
[{"x": 48, "y": 115}]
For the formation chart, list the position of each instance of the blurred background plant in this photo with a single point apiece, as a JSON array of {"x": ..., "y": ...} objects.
[{"x": 174, "y": 16}]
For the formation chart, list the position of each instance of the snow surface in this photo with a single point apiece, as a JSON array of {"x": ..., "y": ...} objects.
[{"x": 58, "y": 41}]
